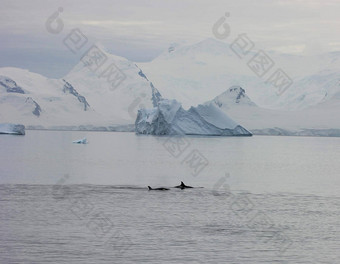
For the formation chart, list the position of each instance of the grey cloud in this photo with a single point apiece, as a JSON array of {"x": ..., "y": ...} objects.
[{"x": 141, "y": 29}]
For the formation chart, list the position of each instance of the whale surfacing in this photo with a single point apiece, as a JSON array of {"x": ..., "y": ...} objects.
[
  {"x": 158, "y": 189},
  {"x": 183, "y": 186}
]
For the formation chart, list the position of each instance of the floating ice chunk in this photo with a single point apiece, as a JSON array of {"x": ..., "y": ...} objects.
[
  {"x": 169, "y": 118},
  {"x": 13, "y": 129},
  {"x": 81, "y": 141}
]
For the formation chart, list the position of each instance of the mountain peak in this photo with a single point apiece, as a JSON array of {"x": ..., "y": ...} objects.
[
  {"x": 235, "y": 95},
  {"x": 238, "y": 91}
]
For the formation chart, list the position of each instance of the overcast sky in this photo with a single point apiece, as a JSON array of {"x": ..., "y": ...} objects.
[{"x": 139, "y": 29}]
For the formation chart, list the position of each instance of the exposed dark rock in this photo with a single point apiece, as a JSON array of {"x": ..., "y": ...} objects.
[
  {"x": 68, "y": 88},
  {"x": 143, "y": 75},
  {"x": 37, "y": 109},
  {"x": 10, "y": 85}
]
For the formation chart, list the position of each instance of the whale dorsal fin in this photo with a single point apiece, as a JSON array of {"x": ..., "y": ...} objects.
[
  {"x": 149, "y": 188},
  {"x": 182, "y": 183}
]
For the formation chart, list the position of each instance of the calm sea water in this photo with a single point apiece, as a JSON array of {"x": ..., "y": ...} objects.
[{"x": 265, "y": 199}]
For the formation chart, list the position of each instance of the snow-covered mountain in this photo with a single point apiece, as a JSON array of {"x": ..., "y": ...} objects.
[
  {"x": 83, "y": 98},
  {"x": 321, "y": 119},
  {"x": 109, "y": 96},
  {"x": 193, "y": 73},
  {"x": 31, "y": 99},
  {"x": 233, "y": 97}
]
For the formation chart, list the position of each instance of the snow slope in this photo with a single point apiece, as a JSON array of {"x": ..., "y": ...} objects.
[
  {"x": 39, "y": 101},
  {"x": 169, "y": 118},
  {"x": 119, "y": 104},
  {"x": 81, "y": 100}
]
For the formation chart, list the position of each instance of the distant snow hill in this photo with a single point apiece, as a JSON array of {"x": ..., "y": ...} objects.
[{"x": 83, "y": 99}]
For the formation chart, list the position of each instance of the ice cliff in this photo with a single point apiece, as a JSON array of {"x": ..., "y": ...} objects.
[
  {"x": 169, "y": 118},
  {"x": 14, "y": 129}
]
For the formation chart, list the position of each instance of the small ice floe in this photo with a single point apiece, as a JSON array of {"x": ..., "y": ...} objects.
[{"x": 81, "y": 141}]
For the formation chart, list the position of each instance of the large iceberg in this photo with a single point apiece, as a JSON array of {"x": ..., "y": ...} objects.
[
  {"x": 14, "y": 129},
  {"x": 169, "y": 118}
]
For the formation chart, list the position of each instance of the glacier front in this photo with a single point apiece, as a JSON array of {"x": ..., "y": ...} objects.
[{"x": 169, "y": 118}]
